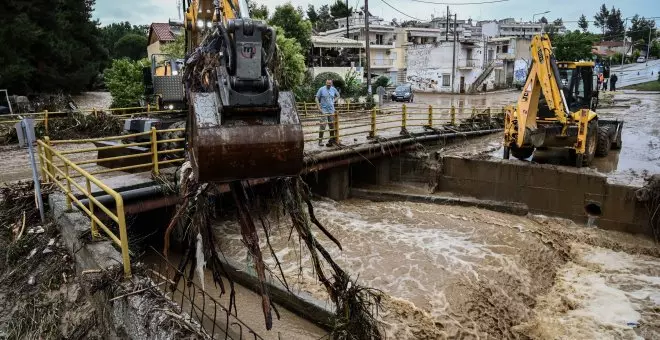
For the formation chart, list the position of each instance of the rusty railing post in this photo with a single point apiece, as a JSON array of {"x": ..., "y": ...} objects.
[
  {"x": 154, "y": 150},
  {"x": 404, "y": 119},
  {"x": 41, "y": 154},
  {"x": 95, "y": 231},
  {"x": 453, "y": 115},
  {"x": 430, "y": 116},
  {"x": 46, "y": 120},
  {"x": 372, "y": 131},
  {"x": 67, "y": 178},
  {"x": 49, "y": 158},
  {"x": 336, "y": 126},
  {"x": 305, "y": 108}
]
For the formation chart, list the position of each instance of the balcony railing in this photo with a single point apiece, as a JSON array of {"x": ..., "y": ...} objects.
[
  {"x": 468, "y": 63},
  {"x": 382, "y": 62},
  {"x": 506, "y": 56}
]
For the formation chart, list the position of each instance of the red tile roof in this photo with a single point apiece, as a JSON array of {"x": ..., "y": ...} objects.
[
  {"x": 162, "y": 31},
  {"x": 609, "y": 43}
]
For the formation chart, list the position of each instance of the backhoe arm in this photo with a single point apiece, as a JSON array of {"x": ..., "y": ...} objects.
[{"x": 543, "y": 77}]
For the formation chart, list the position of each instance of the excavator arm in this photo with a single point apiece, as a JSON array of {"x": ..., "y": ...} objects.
[
  {"x": 543, "y": 78},
  {"x": 239, "y": 125}
]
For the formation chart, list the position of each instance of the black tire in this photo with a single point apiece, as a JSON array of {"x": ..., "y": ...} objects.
[
  {"x": 590, "y": 145},
  {"x": 522, "y": 153},
  {"x": 506, "y": 152},
  {"x": 173, "y": 145},
  {"x": 604, "y": 143}
]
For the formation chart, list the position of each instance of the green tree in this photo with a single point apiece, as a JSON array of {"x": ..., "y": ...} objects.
[
  {"x": 615, "y": 26},
  {"x": 641, "y": 29},
  {"x": 340, "y": 10},
  {"x": 111, "y": 34},
  {"x": 312, "y": 16},
  {"x": 48, "y": 46},
  {"x": 294, "y": 26},
  {"x": 256, "y": 11},
  {"x": 554, "y": 27},
  {"x": 176, "y": 48},
  {"x": 132, "y": 46},
  {"x": 583, "y": 23},
  {"x": 124, "y": 81},
  {"x": 325, "y": 21},
  {"x": 290, "y": 69},
  {"x": 573, "y": 46},
  {"x": 600, "y": 19}
]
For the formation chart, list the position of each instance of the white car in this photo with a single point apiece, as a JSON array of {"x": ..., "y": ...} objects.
[{"x": 641, "y": 59}]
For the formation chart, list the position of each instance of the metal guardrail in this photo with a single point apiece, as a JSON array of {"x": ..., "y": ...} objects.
[
  {"x": 370, "y": 122},
  {"x": 193, "y": 303},
  {"x": 56, "y": 167}
]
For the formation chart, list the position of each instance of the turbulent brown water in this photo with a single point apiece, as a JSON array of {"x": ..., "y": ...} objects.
[{"x": 454, "y": 271}]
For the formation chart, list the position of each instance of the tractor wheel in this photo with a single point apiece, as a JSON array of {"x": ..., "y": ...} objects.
[
  {"x": 173, "y": 145},
  {"x": 590, "y": 145},
  {"x": 522, "y": 153},
  {"x": 604, "y": 143}
]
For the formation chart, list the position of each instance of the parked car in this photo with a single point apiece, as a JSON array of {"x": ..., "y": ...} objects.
[
  {"x": 403, "y": 93},
  {"x": 641, "y": 59}
]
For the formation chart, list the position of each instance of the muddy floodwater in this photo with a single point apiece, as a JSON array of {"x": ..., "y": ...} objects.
[{"x": 467, "y": 272}]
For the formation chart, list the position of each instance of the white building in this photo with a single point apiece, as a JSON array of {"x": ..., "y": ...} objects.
[{"x": 512, "y": 28}]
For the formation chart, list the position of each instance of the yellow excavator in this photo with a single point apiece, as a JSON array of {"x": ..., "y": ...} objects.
[
  {"x": 239, "y": 125},
  {"x": 557, "y": 109}
]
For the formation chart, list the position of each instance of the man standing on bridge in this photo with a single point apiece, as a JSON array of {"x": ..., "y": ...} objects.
[
  {"x": 326, "y": 97},
  {"x": 613, "y": 80}
]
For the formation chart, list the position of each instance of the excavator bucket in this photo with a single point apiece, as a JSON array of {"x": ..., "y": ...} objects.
[{"x": 257, "y": 144}]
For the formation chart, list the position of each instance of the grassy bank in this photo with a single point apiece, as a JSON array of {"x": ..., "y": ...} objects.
[{"x": 648, "y": 86}]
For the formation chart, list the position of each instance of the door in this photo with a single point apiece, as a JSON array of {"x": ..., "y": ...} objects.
[{"x": 462, "y": 86}]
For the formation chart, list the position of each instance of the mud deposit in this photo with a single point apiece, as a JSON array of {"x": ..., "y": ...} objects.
[{"x": 465, "y": 272}]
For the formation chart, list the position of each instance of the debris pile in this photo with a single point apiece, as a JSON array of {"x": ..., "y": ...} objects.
[{"x": 355, "y": 306}]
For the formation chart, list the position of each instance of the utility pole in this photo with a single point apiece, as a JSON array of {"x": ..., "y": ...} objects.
[
  {"x": 366, "y": 40},
  {"x": 453, "y": 57},
  {"x": 447, "y": 31},
  {"x": 348, "y": 15},
  {"x": 648, "y": 46},
  {"x": 625, "y": 50}
]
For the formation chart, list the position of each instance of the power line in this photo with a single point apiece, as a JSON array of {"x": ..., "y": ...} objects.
[
  {"x": 394, "y": 8},
  {"x": 460, "y": 3}
]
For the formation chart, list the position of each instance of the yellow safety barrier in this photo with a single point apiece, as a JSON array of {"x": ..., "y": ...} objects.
[{"x": 54, "y": 173}]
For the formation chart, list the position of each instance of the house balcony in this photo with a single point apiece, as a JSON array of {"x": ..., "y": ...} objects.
[
  {"x": 468, "y": 63},
  {"x": 506, "y": 56},
  {"x": 382, "y": 63}
]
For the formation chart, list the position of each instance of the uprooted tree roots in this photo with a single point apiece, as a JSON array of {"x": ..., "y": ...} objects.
[{"x": 355, "y": 305}]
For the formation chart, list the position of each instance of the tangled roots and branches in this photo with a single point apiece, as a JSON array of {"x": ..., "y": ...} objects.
[
  {"x": 355, "y": 306},
  {"x": 650, "y": 195}
]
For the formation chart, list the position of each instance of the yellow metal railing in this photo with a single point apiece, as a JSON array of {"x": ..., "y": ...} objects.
[
  {"x": 404, "y": 119},
  {"x": 61, "y": 175},
  {"x": 57, "y": 167}
]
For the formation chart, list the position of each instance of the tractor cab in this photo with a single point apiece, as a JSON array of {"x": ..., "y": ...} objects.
[{"x": 578, "y": 84}]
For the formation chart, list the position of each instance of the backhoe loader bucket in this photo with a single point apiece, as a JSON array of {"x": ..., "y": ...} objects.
[{"x": 258, "y": 144}]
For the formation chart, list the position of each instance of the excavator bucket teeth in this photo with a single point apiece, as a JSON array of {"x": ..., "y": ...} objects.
[{"x": 241, "y": 149}]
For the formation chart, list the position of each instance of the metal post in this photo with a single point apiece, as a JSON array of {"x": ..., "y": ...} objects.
[
  {"x": 404, "y": 118},
  {"x": 46, "y": 121},
  {"x": 95, "y": 230},
  {"x": 430, "y": 116},
  {"x": 625, "y": 50},
  {"x": 154, "y": 149},
  {"x": 305, "y": 108},
  {"x": 453, "y": 58},
  {"x": 68, "y": 193},
  {"x": 453, "y": 115},
  {"x": 648, "y": 46},
  {"x": 35, "y": 177},
  {"x": 348, "y": 16},
  {"x": 123, "y": 236},
  {"x": 49, "y": 158},
  {"x": 336, "y": 126},
  {"x": 372, "y": 132},
  {"x": 367, "y": 45}
]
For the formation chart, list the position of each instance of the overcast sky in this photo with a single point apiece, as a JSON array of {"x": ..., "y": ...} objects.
[{"x": 148, "y": 11}]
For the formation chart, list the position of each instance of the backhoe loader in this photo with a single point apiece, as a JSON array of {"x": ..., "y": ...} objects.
[
  {"x": 239, "y": 125},
  {"x": 556, "y": 109}
]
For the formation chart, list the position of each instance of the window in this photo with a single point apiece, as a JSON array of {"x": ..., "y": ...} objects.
[
  {"x": 446, "y": 79},
  {"x": 505, "y": 49},
  {"x": 356, "y": 37},
  {"x": 379, "y": 39}
]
